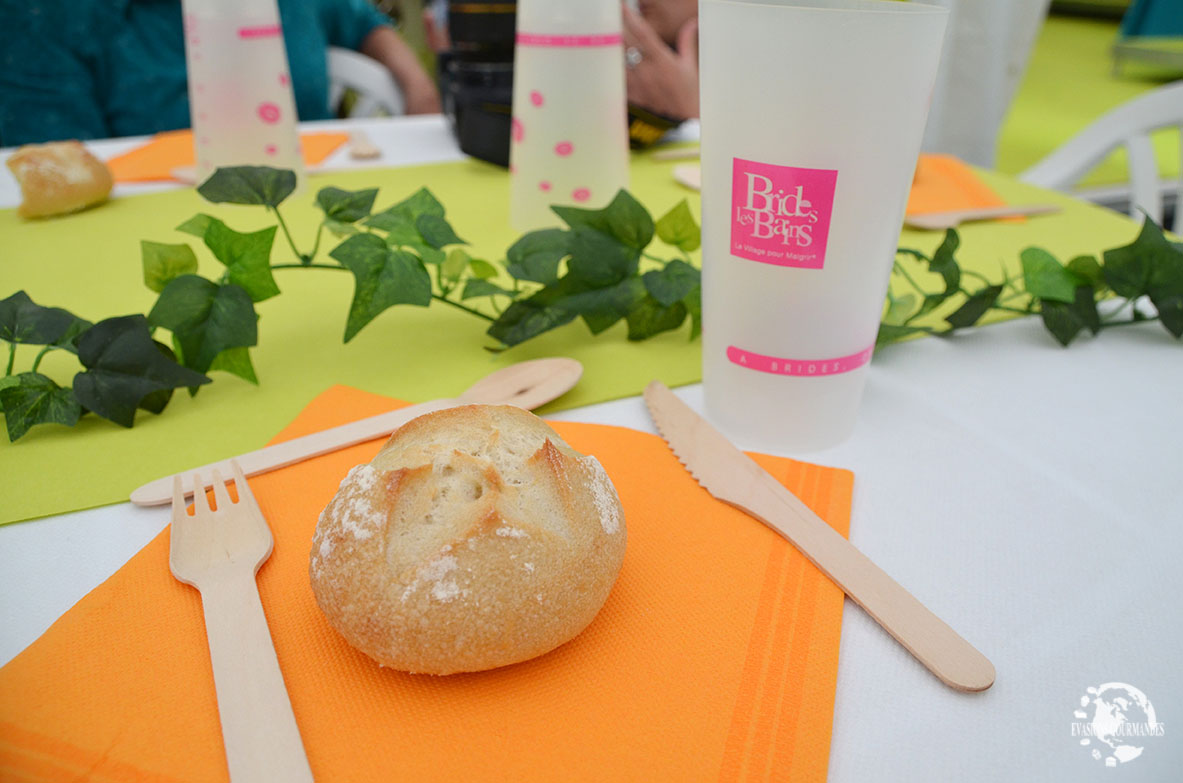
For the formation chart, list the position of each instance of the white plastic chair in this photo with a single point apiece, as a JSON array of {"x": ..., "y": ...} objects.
[
  {"x": 378, "y": 94},
  {"x": 1130, "y": 125}
]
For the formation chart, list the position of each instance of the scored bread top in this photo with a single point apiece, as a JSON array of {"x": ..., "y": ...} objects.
[{"x": 476, "y": 537}]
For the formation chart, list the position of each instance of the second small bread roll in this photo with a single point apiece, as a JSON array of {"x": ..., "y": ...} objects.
[
  {"x": 58, "y": 177},
  {"x": 474, "y": 539}
]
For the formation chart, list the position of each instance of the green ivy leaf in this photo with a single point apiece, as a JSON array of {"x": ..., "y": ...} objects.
[
  {"x": 1088, "y": 270},
  {"x": 407, "y": 211},
  {"x": 1066, "y": 320},
  {"x": 247, "y": 257},
  {"x": 399, "y": 227},
  {"x": 598, "y": 259},
  {"x": 527, "y": 318},
  {"x": 260, "y": 185},
  {"x": 124, "y": 365},
  {"x": 932, "y": 302},
  {"x": 421, "y": 202},
  {"x": 383, "y": 278},
  {"x": 1152, "y": 265},
  {"x": 944, "y": 264},
  {"x": 163, "y": 262},
  {"x": 429, "y": 254},
  {"x": 474, "y": 287},
  {"x": 1166, "y": 292},
  {"x": 536, "y": 256},
  {"x": 1085, "y": 307},
  {"x": 974, "y": 307},
  {"x": 899, "y": 308},
  {"x": 346, "y": 206},
  {"x": 341, "y": 229},
  {"x": 454, "y": 265},
  {"x": 624, "y": 219},
  {"x": 1046, "y": 278},
  {"x": 559, "y": 304},
  {"x": 205, "y": 319},
  {"x": 601, "y": 308},
  {"x": 693, "y": 302},
  {"x": 30, "y": 398},
  {"x": 678, "y": 228},
  {"x": 236, "y": 361},
  {"x": 650, "y": 317},
  {"x": 482, "y": 270},
  {"x": 672, "y": 283},
  {"x": 1127, "y": 269},
  {"x": 157, "y": 401},
  {"x": 24, "y": 321},
  {"x": 1060, "y": 321},
  {"x": 436, "y": 231},
  {"x": 196, "y": 225}
]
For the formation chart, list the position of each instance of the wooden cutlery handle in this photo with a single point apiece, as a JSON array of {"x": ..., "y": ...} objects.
[
  {"x": 942, "y": 650},
  {"x": 259, "y": 729}
]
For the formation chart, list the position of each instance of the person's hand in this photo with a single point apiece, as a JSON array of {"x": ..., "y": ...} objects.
[{"x": 658, "y": 78}]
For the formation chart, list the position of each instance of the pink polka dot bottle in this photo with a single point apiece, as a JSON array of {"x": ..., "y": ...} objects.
[
  {"x": 240, "y": 95},
  {"x": 569, "y": 141}
]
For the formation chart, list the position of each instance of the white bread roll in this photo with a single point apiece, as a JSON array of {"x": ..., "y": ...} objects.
[
  {"x": 58, "y": 177},
  {"x": 476, "y": 538}
]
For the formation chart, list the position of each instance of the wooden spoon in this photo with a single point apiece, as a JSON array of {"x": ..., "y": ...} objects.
[
  {"x": 937, "y": 221},
  {"x": 361, "y": 147},
  {"x": 688, "y": 175},
  {"x": 526, "y": 385}
]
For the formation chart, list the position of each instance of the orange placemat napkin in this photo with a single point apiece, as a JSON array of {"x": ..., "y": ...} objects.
[
  {"x": 943, "y": 183},
  {"x": 156, "y": 159},
  {"x": 714, "y": 658}
]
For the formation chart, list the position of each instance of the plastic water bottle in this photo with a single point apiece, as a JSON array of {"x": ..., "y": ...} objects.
[
  {"x": 241, "y": 104},
  {"x": 569, "y": 131}
]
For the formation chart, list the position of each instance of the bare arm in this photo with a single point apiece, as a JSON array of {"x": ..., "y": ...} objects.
[{"x": 384, "y": 45}]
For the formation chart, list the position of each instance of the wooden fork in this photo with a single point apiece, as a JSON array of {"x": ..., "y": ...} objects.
[{"x": 218, "y": 551}]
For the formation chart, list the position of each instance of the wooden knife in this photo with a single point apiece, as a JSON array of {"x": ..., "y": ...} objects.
[{"x": 733, "y": 477}]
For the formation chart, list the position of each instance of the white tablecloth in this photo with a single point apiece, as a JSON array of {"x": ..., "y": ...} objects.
[{"x": 1031, "y": 496}]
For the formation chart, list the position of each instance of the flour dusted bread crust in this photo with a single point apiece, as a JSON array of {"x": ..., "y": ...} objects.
[
  {"x": 475, "y": 538},
  {"x": 58, "y": 177}
]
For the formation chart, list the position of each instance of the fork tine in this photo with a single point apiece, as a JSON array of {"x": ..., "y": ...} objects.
[
  {"x": 180, "y": 507},
  {"x": 220, "y": 493},
  {"x": 201, "y": 507},
  {"x": 240, "y": 483}
]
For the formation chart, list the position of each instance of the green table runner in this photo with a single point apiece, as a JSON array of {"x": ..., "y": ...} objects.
[{"x": 89, "y": 263}]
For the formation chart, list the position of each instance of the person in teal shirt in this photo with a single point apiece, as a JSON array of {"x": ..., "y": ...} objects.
[{"x": 108, "y": 68}]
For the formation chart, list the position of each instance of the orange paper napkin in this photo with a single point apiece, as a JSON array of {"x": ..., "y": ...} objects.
[
  {"x": 944, "y": 183},
  {"x": 156, "y": 159},
  {"x": 714, "y": 658}
]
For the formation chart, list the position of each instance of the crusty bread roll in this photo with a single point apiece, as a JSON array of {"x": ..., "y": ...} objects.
[
  {"x": 474, "y": 539},
  {"x": 58, "y": 177}
]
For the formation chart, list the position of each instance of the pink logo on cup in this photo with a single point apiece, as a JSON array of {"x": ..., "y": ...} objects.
[{"x": 781, "y": 214}]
